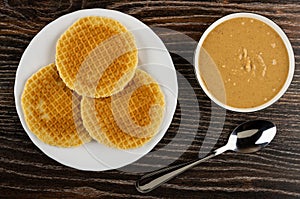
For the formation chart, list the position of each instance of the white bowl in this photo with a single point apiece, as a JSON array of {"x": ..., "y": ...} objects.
[{"x": 285, "y": 41}]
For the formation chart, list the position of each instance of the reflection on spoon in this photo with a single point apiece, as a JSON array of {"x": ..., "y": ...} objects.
[{"x": 248, "y": 137}]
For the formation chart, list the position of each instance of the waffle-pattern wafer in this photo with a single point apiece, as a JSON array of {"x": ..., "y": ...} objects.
[
  {"x": 129, "y": 118},
  {"x": 52, "y": 111},
  {"x": 96, "y": 56}
]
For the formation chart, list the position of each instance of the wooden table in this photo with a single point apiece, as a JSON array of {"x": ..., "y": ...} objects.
[{"x": 271, "y": 173}]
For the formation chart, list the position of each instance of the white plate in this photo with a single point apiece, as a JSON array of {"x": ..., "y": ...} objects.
[{"x": 153, "y": 58}]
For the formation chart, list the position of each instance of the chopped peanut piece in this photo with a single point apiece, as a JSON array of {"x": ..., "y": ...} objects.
[
  {"x": 245, "y": 52},
  {"x": 248, "y": 65},
  {"x": 273, "y": 45},
  {"x": 240, "y": 56}
]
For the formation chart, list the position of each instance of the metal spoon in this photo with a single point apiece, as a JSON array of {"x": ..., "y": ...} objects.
[{"x": 248, "y": 137}]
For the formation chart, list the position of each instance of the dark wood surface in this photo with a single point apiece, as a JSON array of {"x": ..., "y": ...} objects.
[{"x": 271, "y": 173}]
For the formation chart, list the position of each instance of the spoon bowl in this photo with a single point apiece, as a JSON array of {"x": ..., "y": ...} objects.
[
  {"x": 253, "y": 135},
  {"x": 248, "y": 137}
]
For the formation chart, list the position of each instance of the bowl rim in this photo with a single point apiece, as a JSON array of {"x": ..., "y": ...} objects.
[{"x": 285, "y": 40}]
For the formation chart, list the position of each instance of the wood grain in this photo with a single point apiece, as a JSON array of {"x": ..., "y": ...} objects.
[{"x": 271, "y": 173}]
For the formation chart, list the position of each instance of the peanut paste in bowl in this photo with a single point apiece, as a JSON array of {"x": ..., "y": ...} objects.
[{"x": 250, "y": 61}]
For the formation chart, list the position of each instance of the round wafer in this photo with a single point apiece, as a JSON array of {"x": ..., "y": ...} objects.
[
  {"x": 96, "y": 56},
  {"x": 128, "y": 119},
  {"x": 52, "y": 110}
]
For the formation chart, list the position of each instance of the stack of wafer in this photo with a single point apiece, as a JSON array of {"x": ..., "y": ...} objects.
[{"x": 94, "y": 90}]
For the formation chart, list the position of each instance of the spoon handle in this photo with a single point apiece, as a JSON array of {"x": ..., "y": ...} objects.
[{"x": 154, "y": 179}]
